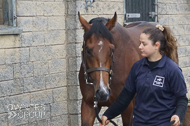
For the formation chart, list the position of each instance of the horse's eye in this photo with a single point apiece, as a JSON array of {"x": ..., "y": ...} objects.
[{"x": 89, "y": 51}]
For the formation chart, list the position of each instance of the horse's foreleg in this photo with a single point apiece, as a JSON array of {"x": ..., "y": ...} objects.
[
  {"x": 87, "y": 114},
  {"x": 127, "y": 115}
]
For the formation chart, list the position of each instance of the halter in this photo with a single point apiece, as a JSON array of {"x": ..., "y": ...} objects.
[{"x": 87, "y": 71}]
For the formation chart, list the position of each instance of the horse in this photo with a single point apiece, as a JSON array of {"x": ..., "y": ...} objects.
[{"x": 108, "y": 53}]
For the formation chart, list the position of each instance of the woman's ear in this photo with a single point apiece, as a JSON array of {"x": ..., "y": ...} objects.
[{"x": 157, "y": 45}]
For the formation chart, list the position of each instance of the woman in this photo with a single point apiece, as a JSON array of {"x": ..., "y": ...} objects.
[{"x": 157, "y": 82}]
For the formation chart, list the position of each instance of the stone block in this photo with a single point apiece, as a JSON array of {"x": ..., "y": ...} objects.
[
  {"x": 181, "y": 51},
  {"x": 186, "y": 71},
  {"x": 56, "y": 80},
  {"x": 3, "y": 105},
  {"x": 17, "y": 55},
  {"x": 72, "y": 6},
  {"x": 44, "y": 0},
  {"x": 79, "y": 35},
  {"x": 99, "y": 8},
  {"x": 184, "y": 61},
  {"x": 38, "y": 122},
  {"x": 163, "y": 19},
  {"x": 187, "y": 18},
  {"x": 3, "y": 120},
  {"x": 54, "y": 8},
  {"x": 74, "y": 92},
  {"x": 38, "y": 38},
  {"x": 59, "y": 108},
  {"x": 2, "y": 56},
  {"x": 26, "y": 39},
  {"x": 187, "y": 29},
  {"x": 18, "y": 102},
  {"x": 11, "y": 87},
  {"x": 178, "y": 19},
  {"x": 39, "y": 8},
  {"x": 72, "y": 78},
  {"x": 183, "y": 8},
  {"x": 56, "y": 22},
  {"x": 26, "y": 23},
  {"x": 61, "y": 120},
  {"x": 26, "y": 8},
  {"x": 40, "y": 53},
  {"x": 34, "y": 84},
  {"x": 42, "y": 97},
  {"x": 39, "y": 23},
  {"x": 41, "y": 68},
  {"x": 78, "y": 49},
  {"x": 71, "y": 50},
  {"x": 177, "y": 29},
  {"x": 6, "y": 72},
  {"x": 187, "y": 50},
  {"x": 162, "y": 8},
  {"x": 9, "y": 41},
  {"x": 171, "y": 9},
  {"x": 71, "y": 21},
  {"x": 59, "y": 94},
  {"x": 75, "y": 120},
  {"x": 74, "y": 64},
  {"x": 74, "y": 107},
  {"x": 59, "y": 52},
  {"x": 71, "y": 35},
  {"x": 57, "y": 65},
  {"x": 183, "y": 40},
  {"x": 23, "y": 70},
  {"x": 55, "y": 37}
]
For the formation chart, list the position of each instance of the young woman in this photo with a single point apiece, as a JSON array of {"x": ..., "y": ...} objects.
[{"x": 157, "y": 82}]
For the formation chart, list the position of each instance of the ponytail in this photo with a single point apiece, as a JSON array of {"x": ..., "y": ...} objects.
[
  {"x": 170, "y": 48},
  {"x": 168, "y": 43}
]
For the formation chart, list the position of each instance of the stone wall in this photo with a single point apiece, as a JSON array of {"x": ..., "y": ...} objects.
[
  {"x": 1, "y": 12},
  {"x": 39, "y": 68},
  {"x": 33, "y": 66},
  {"x": 176, "y": 15}
]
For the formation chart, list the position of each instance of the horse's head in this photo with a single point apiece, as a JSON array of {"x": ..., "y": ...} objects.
[{"x": 98, "y": 54}]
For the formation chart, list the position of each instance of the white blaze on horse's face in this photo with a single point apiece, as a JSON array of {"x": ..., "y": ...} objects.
[
  {"x": 101, "y": 45},
  {"x": 102, "y": 85}
]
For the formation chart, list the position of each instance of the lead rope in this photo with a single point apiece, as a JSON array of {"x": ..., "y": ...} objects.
[{"x": 96, "y": 111}]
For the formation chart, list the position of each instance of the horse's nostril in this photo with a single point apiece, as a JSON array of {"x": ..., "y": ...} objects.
[{"x": 102, "y": 95}]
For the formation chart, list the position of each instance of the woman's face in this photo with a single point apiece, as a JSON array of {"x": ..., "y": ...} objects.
[{"x": 146, "y": 47}]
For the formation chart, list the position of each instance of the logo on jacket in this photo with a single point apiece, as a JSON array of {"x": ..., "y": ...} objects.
[{"x": 158, "y": 81}]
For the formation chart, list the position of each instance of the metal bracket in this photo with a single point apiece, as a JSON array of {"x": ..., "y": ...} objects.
[
  {"x": 90, "y": 3},
  {"x": 152, "y": 14}
]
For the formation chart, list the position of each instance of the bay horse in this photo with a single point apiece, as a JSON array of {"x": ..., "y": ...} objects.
[{"x": 109, "y": 51}]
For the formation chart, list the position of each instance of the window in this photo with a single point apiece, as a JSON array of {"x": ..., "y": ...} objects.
[
  {"x": 8, "y": 17},
  {"x": 9, "y": 12}
]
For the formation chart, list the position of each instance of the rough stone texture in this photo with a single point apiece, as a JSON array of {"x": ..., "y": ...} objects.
[{"x": 41, "y": 66}]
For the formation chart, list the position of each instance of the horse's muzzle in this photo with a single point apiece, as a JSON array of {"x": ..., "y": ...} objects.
[{"x": 103, "y": 94}]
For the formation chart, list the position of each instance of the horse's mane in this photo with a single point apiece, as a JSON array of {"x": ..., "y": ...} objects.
[{"x": 99, "y": 29}]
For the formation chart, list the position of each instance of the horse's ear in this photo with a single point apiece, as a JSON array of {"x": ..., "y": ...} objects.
[
  {"x": 85, "y": 25},
  {"x": 111, "y": 23}
]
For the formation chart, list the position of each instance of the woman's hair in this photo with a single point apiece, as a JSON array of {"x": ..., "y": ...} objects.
[{"x": 168, "y": 43}]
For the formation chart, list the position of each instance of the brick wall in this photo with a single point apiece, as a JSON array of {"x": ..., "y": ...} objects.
[{"x": 176, "y": 15}]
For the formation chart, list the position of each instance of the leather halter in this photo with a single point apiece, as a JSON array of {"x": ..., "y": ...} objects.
[{"x": 90, "y": 70}]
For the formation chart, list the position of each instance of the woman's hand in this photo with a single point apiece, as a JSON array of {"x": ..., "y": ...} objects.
[
  {"x": 177, "y": 121},
  {"x": 105, "y": 121}
]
